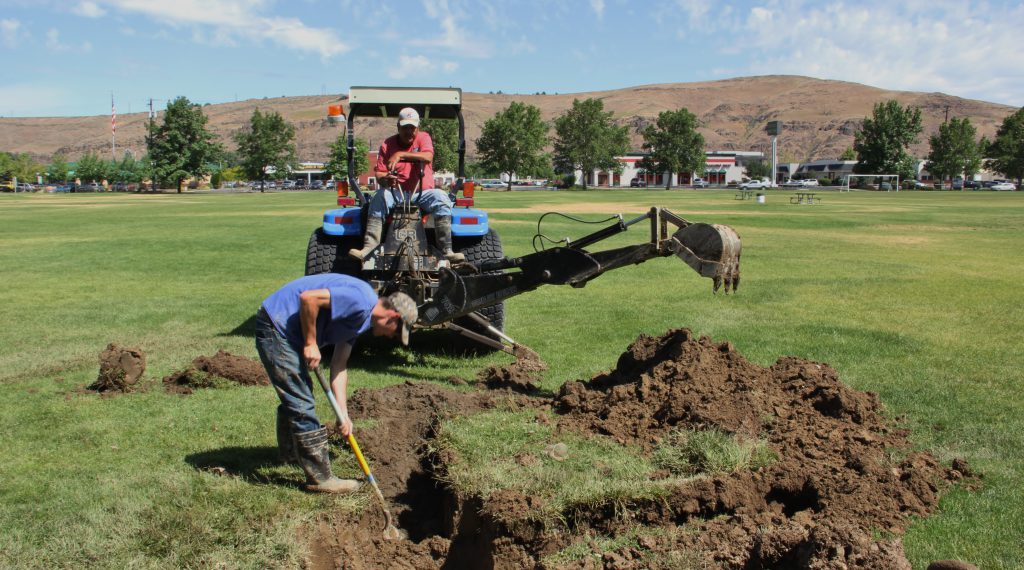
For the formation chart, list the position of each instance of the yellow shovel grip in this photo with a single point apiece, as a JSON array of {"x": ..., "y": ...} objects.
[{"x": 359, "y": 454}]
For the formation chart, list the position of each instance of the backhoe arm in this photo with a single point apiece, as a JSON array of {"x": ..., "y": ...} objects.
[{"x": 713, "y": 251}]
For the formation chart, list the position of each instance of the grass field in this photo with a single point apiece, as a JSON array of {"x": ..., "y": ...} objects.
[{"x": 913, "y": 295}]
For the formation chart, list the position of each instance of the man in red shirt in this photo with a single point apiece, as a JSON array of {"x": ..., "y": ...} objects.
[{"x": 398, "y": 169}]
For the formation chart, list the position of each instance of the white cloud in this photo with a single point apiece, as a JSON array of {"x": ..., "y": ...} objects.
[
  {"x": 10, "y": 32},
  {"x": 239, "y": 18},
  {"x": 89, "y": 10},
  {"x": 420, "y": 66},
  {"x": 452, "y": 38},
  {"x": 53, "y": 40},
  {"x": 598, "y": 7},
  {"x": 450, "y": 67}
]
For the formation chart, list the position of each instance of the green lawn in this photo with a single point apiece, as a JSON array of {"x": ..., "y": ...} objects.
[{"x": 914, "y": 295}]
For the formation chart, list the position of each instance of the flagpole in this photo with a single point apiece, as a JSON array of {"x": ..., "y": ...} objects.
[{"x": 113, "y": 128}]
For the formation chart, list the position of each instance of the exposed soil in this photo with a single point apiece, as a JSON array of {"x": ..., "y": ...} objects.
[
  {"x": 523, "y": 375},
  {"x": 204, "y": 371},
  {"x": 120, "y": 369},
  {"x": 840, "y": 495}
]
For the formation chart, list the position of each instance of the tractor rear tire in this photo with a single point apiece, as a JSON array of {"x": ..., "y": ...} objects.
[
  {"x": 329, "y": 254},
  {"x": 476, "y": 250}
]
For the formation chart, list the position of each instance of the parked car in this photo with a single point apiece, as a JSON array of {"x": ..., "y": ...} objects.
[
  {"x": 809, "y": 182},
  {"x": 754, "y": 184},
  {"x": 492, "y": 183},
  {"x": 25, "y": 187},
  {"x": 316, "y": 185},
  {"x": 62, "y": 188},
  {"x": 700, "y": 183},
  {"x": 792, "y": 183},
  {"x": 637, "y": 183},
  {"x": 1004, "y": 186}
]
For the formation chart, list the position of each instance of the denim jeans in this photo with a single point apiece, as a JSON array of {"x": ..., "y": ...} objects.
[
  {"x": 432, "y": 201},
  {"x": 288, "y": 375}
]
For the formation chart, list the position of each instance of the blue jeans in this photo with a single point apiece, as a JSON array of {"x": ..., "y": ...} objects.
[
  {"x": 432, "y": 201},
  {"x": 288, "y": 375}
]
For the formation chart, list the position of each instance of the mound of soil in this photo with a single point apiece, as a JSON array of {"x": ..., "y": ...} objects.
[
  {"x": 204, "y": 369},
  {"x": 120, "y": 369},
  {"x": 834, "y": 490},
  {"x": 523, "y": 375}
]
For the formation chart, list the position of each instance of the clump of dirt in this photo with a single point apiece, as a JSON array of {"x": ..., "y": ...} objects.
[
  {"x": 522, "y": 376},
  {"x": 845, "y": 475},
  {"x": 120, "y": 369},
  {"x": 205, "y": 370}
]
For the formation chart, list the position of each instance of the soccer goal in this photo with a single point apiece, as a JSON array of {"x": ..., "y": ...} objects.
[{"x": 885, "y": 178}]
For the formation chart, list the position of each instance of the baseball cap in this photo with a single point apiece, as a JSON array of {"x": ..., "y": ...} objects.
[
  {"x": 408, "y": 116},
  {"x": 406, "y": 307}
]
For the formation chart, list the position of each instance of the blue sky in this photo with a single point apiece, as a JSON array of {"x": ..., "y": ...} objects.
[{"x": 66, "y": 57}]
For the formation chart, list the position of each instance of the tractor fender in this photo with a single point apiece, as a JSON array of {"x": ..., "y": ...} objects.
[{"x": 343, "y": 221}]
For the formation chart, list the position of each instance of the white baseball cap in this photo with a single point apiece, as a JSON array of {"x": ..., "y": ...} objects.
[{"x": 408, "y": 116}]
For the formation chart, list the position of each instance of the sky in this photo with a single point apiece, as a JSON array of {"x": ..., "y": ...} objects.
[{"x": 66, "y": 58}]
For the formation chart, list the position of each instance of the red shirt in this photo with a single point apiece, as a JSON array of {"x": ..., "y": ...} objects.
[{"x": 408, "y": 171}]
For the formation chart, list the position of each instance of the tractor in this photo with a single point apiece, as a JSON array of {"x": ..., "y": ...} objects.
[{"x": 468, "y": 297}]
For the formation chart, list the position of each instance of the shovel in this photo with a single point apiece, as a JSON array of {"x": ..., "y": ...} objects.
[{"x": 391, "y": 532}]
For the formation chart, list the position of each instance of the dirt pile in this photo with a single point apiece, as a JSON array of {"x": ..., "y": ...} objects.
[
  {"x": 844, "y": 474},
  {"x": 523, "y": 375},
  {"x": 120, "y": 369},
  {"x": 205, "y": 371}
]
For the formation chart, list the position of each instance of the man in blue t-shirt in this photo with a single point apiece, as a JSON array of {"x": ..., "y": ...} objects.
[{"x": 291, "y": 326}]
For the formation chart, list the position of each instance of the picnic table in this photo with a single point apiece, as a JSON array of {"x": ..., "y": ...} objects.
[
  {"x": 745, "y": 194},
  {"x": 805, "y": 198}
]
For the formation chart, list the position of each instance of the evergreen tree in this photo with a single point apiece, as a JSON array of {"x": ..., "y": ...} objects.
[{"x": 182, "y": 147}]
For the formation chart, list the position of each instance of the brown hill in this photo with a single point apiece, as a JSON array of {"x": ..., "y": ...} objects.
[{"x": 819, "y": 117}]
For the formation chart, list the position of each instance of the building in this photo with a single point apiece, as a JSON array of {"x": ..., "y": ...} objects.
[{"x": 720, "y": 167}]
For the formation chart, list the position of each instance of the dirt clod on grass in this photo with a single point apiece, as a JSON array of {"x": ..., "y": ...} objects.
[
  {"x": 120, "y": 369},
  {"x": 522, "y": 376},
  {"x": 205, "y": 371},
  {"x": 840, "y": 494}
]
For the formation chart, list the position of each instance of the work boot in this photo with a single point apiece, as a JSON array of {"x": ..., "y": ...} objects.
[
  {"x": 315, "y": 460},
  {"x": 374, "y": 228},
  {"x": 443, "y": 233},
  {"x": 285, "y": 440}
]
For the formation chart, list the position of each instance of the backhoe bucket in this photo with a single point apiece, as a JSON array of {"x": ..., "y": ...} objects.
[{"x": 712, "y": 250}]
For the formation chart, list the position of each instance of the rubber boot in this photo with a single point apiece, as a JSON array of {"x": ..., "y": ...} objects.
[
  {"x": 443, "y": 233},
  {"x": 286, "y": 440},
  {"x": 314, "y": 458},
  {"x": 374, "y": 228}
]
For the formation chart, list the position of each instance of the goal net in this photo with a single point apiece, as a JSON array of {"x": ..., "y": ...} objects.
[{"x": 882, "y": 181}]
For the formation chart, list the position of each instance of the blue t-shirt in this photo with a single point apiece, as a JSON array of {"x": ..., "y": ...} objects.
[{"x": 352, "y": 302}]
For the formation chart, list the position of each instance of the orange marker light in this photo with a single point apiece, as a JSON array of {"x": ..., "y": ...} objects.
[
  {"x": 335, "y": 113},
  {"x": 467, "y": 189}
]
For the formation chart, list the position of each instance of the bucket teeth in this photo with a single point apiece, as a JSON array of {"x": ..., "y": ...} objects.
[{"x": 712, "y": 251}]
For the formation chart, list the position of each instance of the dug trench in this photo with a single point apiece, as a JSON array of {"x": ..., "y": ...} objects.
[{"x": 841, "y": 493}]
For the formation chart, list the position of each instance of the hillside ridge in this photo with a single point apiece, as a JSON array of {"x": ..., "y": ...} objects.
[{"x": 819, "y": 117}]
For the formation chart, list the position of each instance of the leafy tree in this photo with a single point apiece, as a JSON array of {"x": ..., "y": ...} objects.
[
  {"x": 58, "y": 168},
  {"x": 337, "y": 164},
  {"x": 512, "y": 141},
  {"x": 22, "y": 166},
  {"x": 758, "y": 169},
  {"x": 480, "y": 170},
  {"x": 6, "y": 166},
  {"x": 848, "y": 154},
  {"x": 954, "y": 150},
  {"x": 881, "y": 143},
  {"x": 673, "y": 145},
  {"x": 182, "y": 147},
  {"x": 445, "y": 134},
  {"x": 1007, "y": 151},
  {"x": 92, "y": 168},
  {"x": 266, "y": 143},
  {"x": 586, "y": 139}
]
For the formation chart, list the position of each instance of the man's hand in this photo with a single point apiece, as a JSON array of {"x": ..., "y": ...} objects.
[
  {"x": 394, "y": 160},
  {"x": 311, "y": 352},
  {"x": 345, "y": 425}
]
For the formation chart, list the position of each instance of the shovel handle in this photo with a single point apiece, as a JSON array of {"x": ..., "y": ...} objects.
[{"x": 337, "y": 411}]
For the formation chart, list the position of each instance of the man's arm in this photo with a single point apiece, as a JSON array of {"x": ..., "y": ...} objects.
[
  {"x": 403, "y": 156},
  {"x": 339, "y": 383},
  {"x": 310, "y": 303}
]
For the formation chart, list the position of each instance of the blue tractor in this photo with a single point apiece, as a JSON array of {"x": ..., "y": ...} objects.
[{"x": 468, "y": 297}]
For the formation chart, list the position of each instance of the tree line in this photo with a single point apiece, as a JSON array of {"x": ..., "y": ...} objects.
[{"x": 513, "y": 143}]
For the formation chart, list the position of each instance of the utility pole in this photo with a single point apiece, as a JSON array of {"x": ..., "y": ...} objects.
[{"x": 149, "y": 146}]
